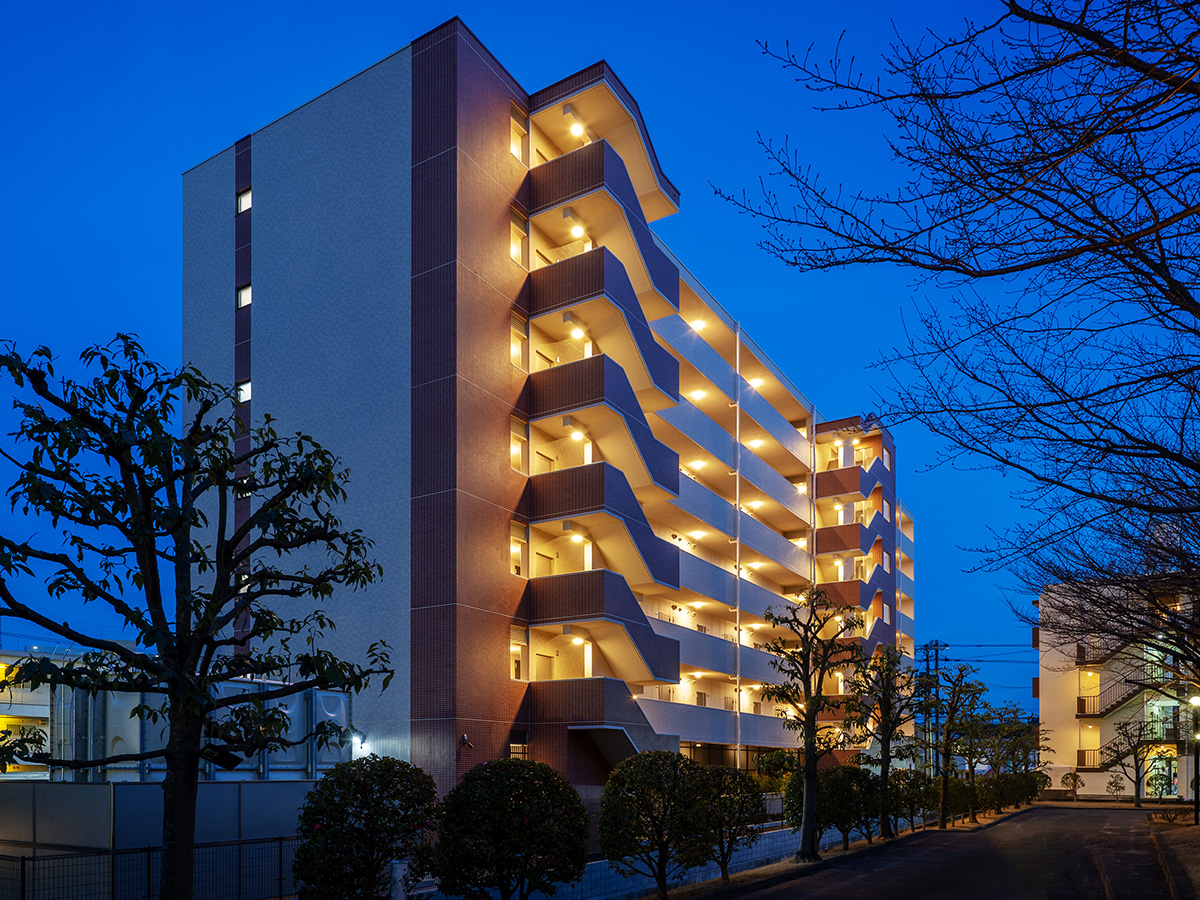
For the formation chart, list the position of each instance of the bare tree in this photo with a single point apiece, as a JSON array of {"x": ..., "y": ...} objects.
[
  {"x": 884, "y": 696},
  {"x": 131, "y": 509},
  {"x": 1134, "y": 743},
  {"x": 821, "y": 643},
  {"x": 1051, "y": 201}
]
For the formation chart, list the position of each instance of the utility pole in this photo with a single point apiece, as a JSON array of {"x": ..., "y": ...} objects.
[{"x": 934, "y": 649}]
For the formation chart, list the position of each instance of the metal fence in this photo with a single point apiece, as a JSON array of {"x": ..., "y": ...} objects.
[{"x": 229, "y": 870}]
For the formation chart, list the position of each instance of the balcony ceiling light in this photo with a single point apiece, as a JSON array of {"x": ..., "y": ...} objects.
[
  {"x": 576, "y": 641},
  {"x": 855, "y": 442},
  {"x": 838, "y": 442},
  {"x": 755, "y": 444},
  {"x": 698, "y": 324},
  {"x": 697, "y": 605},
  {"x": 697, "y": 464},
  {"x": 755, "y": 504},
  {"x": 697, "y": 674},
  {"x": 577, "y": 231},
  {"x": 697, "y": 535},
  {"x": 576, "y": 130},
  {"x": 577, "y": 435},
  {"x": 577, "y": 539},
  {"x": 577, "y": 333},
  {"x": 757, "y": 565},
  {"x": 838, "y": 507},
  {"x": 698, "y": 395},
  {"x": 756, "y": 383}
]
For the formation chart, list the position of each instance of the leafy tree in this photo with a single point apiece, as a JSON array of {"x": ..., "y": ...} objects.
[
  {"x": 970, "y": 740},
  {"x": 652, "y": 817},
  {"x": 819, "y": 644},
  {"x": 133, "y": 509},
  {"x": 511, "y": 827},
  {"x": 885, "y": 695},
  {"x": 1115, "y": 786},
  {"x": 357, "y": 819},
  {"x": 913, "y": 794},
  {"x": 841, "y": 799},
  {"x": 1073, "y": 781},
  {"x": 1159, "y": 785},
  {"x": 734, "y": 810}
]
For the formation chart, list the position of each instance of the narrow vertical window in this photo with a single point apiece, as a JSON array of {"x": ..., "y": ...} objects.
[
  {"x": 518, "y": 445},
  {"x": 243, "y": 392},
  {"x": 243, "y": 296},
  {"x": 518, "y": 241},
  {"x": 518, "y": 140},
  {"x": 518, "y": 342},
  {"x": 243, "y": 201},
  {"x": 887, "y": 459},
  {"x": 518, "y": 550}
]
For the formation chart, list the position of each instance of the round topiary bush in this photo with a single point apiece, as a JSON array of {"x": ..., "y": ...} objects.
[{"x": 359, "y": 817}]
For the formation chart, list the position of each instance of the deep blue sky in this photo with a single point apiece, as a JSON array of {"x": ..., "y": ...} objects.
[{"x": 105, "y": 104}]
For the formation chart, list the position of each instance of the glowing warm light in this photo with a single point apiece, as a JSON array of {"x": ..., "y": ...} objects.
[
  {"x": 754, "y": 444},
  {"x": 576, "y": 231},
  {"x": 837, "y": 443},
  {"x": 577, "y": 435},
  {"x": 577, "y": 333},
  {"x": 696, "y": 535},
  {"x": 837, "y": 618},
  {"x": 756, "y": 565},
  {"x": 697, "y": 464},
  {"x": 756, "y": 382},
  {"x": 755, "y": 504},
  {"x": 1194, "y": 700},
  {"x": 838, "y": 507},
  {"x": 697, "y": 605},
  {"x": 576, "y": 130},
  {"x": 514, "y": 548},
  {"x": 577, "y": 539},
  {"x": 515, "y": 648},
  {"x": 855, "y": 442},
  {"x": 697, "y": 674},
  {"x": 698, "y": 395},
  {"x": 802, "y": 487},
  {"x": 698, "y": 324},
  {"x": 576, "y": 641}
]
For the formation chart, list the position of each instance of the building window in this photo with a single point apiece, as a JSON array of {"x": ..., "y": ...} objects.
[
  {"x": 887, "y": 459},
  {"x": 518, "y": 751},
  {"x": 518, "y": 549},
  {"x": 887, "y": 614},
  {"x": 518, "y": 653},
  {"x": 518, "y": 342},
  {"x": 887, "y": 510},
  {"x": 518, "y": 142},
  {"x": 758, "y": 707},
  {"x": 243, "y": 392},
  {"x": 887, "y": 562},
  {"x": 518, "y": 243},
  {"x": 243, "y": 201},
  {"x": 518, "y": 445},
  {"x": 243, "y": 296},
  {"x": 701, "y": 698}
]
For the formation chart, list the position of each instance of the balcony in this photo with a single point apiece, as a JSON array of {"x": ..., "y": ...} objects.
[
  {"x": 708, "y": 580},
  {"x": 601, "y": 103},
  {"x": 711, "y": 725},
  {"x": 595, "y": 392},
  {"x": 853, "y": 480},
  {"x": 1120, "y": 690},
  {"x": 598, "y": 499},
  {"x": 603, "y": 709},
  {"x": 593, "y": 289},
  {"x": 593, "y": 182},
  {"x": 695, "y": 426},
  {"x": 602, "y": 602}
]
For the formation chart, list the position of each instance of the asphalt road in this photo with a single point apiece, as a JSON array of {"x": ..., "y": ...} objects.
[{"x": 1064, "y": 854}]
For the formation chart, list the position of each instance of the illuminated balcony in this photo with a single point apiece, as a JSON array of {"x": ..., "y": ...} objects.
[
  {"x": 593, "y": 104},
  {"x": 597, "y": 502},
  {"x": 601, "y": 603},
  {"x": 599, "y": 402},
  {"x": 591, "y": 295},
  {"x": 600, "y": 708},
  {"x": 585, "y": 199},
  {"x": 709, "y": 725}
]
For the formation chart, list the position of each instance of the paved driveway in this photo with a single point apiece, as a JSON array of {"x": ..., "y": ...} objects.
[{"x": 1064, "y": 854}]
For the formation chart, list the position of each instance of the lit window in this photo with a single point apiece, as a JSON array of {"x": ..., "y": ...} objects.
[
  {"x": 518, "y": 446},
  {"x": 243, "y": 392},
  {"x": 243, "y": 201},
  {"x": 887, "y": 614},
  {"x": 518, "y": 142},
  {"x": 243, "y": 296},
  {"x": 887, "y": 510},
  {"x": 518, "y": 245},
  {"x": 518, "y": 751},
  {"x": 887, "y": 562},
  {"x": 887, "y": 459},
  {"x": 518, "y": 342},
  {"x": 518, "y": 549}
]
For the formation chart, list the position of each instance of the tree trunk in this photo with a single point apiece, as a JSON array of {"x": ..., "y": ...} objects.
[
  {"x": 971, "y": 788},
  {"x": 944, "y": 800},
  {"x": 885, "y": 801},
  {"x": 724, "y": 870},
  {"x": 179, "y": 804},
  {"x": 660, "y": 874},
  {"x": 807, "y": 851}
]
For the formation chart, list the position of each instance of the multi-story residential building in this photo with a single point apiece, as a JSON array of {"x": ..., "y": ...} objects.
[
  {"x": 429, "y": 264},
  {"x": 1085, "y": 689}
]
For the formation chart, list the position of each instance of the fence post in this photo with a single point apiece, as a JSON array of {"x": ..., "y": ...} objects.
[
  {"x": 149, "y": 896},
  {"x": 23, "y": 893},
  {"x": 280, "y": 894},
  {"x": 112, "y": 874}
]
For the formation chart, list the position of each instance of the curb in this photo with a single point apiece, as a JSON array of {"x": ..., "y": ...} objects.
[{"x": 1177, "y": 880}]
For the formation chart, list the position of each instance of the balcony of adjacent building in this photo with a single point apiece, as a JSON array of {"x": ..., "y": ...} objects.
[
  {"x": 593, "y": 105},
  {"x": 585, "y": 200},
  {"x": 1102, "y": 693},
  {"x": 782, "y": 443},
  {"x": 594, "y": 618},
  {"x": 585, "y": 412},
  {"x": 587, "y": 517},
  {"x": 589, "y": 300}
]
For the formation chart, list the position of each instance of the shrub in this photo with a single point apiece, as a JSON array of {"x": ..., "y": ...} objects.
[
  {"x": 651, "y": 817},
  {"x": 511, "y": 826},
  {"x": 359, "y": 817},
  {"x": 733, "y": 810},
  {"x": 1115, "y": 786}
]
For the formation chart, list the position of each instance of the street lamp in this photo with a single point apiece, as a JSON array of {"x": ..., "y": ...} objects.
[{"x": 1195, "y": 701}]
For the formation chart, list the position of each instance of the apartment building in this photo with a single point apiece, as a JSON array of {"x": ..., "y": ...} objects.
[
  {"x": 1085, "y": 689},
  {"x": 430, "y": 264}
]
